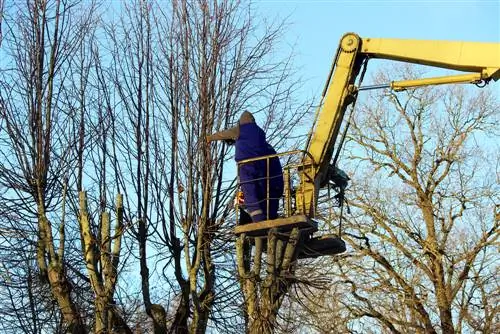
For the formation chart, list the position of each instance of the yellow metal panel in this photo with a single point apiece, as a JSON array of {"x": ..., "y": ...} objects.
[
  {"x": 461, "y": 56},
  {"x": 329, "y": 119}
]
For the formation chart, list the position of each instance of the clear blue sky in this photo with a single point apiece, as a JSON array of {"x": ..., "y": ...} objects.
[{"x": 317, "y": 26}]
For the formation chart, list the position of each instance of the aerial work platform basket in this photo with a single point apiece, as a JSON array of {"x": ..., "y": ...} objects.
[
  {"x": 290, "y": 217},
  {"x": 310, "y": 247}
]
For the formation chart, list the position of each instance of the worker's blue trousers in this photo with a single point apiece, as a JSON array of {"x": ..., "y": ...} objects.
[{"x": 257, "y": 185}]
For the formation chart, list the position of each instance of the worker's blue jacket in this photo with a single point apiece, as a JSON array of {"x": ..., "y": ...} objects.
[
  {"x": 261, "y": 190},
  {"x": 252, "y": 143}
]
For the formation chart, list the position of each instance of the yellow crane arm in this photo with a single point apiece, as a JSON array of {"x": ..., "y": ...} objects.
[{"x": 481, "y": 60}]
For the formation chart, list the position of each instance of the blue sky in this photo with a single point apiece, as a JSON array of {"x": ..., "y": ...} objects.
[{"x": 317, "y": 26}]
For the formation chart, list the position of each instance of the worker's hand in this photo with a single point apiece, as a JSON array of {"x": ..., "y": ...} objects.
[{"x": 208, "y": 139}]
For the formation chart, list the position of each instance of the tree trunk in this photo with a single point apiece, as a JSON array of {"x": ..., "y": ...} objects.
[
  {"x": 61, "y": 289},
  {"x": 263, "y": 297}
]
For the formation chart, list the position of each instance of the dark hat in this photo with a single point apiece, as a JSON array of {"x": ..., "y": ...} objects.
[{"x": 246, "y": 117}]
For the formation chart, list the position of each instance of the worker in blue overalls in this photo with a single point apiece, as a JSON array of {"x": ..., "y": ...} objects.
[{"x": 254, "y": 177}]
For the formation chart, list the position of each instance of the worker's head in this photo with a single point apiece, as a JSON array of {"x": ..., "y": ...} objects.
[{"x": 246, "y": 117}]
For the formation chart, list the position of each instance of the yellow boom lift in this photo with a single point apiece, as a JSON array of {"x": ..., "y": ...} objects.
[{"x": 317, "y": 168}]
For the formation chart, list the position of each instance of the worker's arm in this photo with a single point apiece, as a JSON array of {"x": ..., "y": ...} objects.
[{"x": 229, "y": 135}]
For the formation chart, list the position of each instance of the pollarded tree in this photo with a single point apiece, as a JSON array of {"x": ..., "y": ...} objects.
[
  {"x": 37, "y": 138},
  {"x": 47, "y": 109},
  {"x": 182, "y": 71}
]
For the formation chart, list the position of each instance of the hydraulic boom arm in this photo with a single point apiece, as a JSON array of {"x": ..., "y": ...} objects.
[{"x": 480, "y": 60}]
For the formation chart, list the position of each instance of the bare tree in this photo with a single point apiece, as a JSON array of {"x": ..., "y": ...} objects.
[
  {"x": 128, "y": 112},
  {"x": 37, "y": 133},
  {"x": 422, "y": 231},
  {"x": 183, "y": 71},
  {"x": 215, "y": 72},
  {"x": 47, "y": 134}
]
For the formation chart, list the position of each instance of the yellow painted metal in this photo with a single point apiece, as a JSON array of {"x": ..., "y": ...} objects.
[
  {"x": 464, "y": 78},
  {"x": 330, "y": 115},
  {"x": 461, "y": 56},
  {"x": 483, "y": 59}
]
